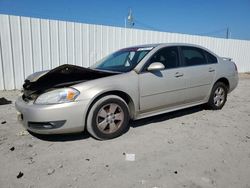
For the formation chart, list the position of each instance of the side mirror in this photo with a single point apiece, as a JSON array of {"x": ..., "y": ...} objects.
[{"x": 156, "y": 66}]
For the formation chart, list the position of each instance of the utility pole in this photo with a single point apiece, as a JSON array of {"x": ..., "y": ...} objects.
[
  {"x": 227, "y": 34},
  {"x": 128, "y": 23},
  {"x": 129, "y": 20}
]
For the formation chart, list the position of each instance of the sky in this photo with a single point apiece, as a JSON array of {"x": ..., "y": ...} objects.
[{"x": 195, "y": 17}]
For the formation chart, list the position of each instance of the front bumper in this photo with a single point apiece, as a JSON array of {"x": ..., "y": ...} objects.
[{"x": 52, "y": 119}]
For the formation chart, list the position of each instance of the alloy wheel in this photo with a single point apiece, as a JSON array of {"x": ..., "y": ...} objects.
[
  {"x": 219, "y": 96},
  {"x": 109, "y": 118}
]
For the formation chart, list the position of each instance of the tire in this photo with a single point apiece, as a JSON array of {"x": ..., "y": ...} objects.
[
  {"x": 218, "y": 96},
  {"x": 108, "y": 118}
]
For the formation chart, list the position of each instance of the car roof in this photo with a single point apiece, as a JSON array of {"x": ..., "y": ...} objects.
[
  {"x": 172, "y": 44},
  {"x": 144, "y": 46},
  {"x": 165, "y": 44}
]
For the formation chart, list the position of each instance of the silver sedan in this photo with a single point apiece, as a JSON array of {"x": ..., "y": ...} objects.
[{"x": 132, "y": 83}]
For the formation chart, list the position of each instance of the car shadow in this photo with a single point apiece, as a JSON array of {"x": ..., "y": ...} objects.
[
  {"x": 62, "y": 137},
  {"x": 133, "y": 124},
  {"x": 166, "y": 116}
]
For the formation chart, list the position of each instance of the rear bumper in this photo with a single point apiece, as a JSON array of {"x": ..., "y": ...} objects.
[{"x": 52, "y": 119}]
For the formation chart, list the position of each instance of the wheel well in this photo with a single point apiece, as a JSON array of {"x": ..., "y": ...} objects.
[
  {"x": 121, "y": 94},
  {"x": 225, "y": 81}
]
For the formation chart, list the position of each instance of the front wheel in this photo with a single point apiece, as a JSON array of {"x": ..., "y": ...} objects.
[
  {"x": 218, "y": 96},
  {"x": 108, "y": 118}
]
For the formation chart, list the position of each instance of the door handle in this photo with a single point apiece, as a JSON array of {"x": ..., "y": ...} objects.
[
  {"x": 211, "y": 70},
  {"x": 178, "y": 74}
]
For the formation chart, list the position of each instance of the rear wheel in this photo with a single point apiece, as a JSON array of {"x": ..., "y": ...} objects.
[
  {"x": 218, "y": 96},
  {"x": 108, "y": 118}
]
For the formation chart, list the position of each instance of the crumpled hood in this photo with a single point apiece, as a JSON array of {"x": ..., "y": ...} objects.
[
  {"x": 35, "y": 76},
  {"x": 62, "y": 76}
]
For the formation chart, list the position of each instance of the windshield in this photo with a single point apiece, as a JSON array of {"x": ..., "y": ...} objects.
[{"x": 123, "y": 60}]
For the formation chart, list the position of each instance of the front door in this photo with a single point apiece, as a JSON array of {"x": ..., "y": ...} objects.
[{"x": 162, "y": 88}]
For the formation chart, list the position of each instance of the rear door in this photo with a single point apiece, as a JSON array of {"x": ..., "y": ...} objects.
[
  {"x": 200, "y": 67},
  {"x": 163, "y": 88}
]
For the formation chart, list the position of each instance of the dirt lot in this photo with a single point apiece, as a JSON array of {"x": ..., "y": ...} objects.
[{"x": 190, "y": 148}]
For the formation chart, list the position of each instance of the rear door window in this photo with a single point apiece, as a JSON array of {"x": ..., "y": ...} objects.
[{"x": 193, "y": 56}]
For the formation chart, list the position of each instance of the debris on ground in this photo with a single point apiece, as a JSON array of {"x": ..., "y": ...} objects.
[
  {"x": 87, "y": 159},
  {"x": 23, "y": 133},
  {"x": 175, "y": 172},
  {"x": 170, "y": 141},
  {"x": 51, "y": 171},
  {"x": 3, "y": 122},
  {"x": 20, "y": 174},
  {"x": 205, "y": 179},
  {"x": 12, "y": 148},
  {"x": 50, "y": 145},
  {"x": 130, "y": 157},
  {"x": 60, "y": 166},
  {"x": 4, "y": 101},
  {"x": 143, "y": 182},
  {"x": 31, "y": 161}
]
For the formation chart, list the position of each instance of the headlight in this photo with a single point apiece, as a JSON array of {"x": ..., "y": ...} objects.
[{"x": 58, "y": 96}]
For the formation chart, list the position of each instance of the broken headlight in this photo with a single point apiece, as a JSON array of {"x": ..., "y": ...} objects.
[{"x": 58, "y": 96}]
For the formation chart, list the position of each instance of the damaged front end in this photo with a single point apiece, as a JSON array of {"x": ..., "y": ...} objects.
[{"x": 62, "y": 76}]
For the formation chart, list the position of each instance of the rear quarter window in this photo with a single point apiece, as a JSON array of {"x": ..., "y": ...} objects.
[{"x": 210, "y": 58}]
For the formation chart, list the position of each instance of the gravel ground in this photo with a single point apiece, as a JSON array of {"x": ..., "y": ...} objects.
[{"x": 189, "y": 148}]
